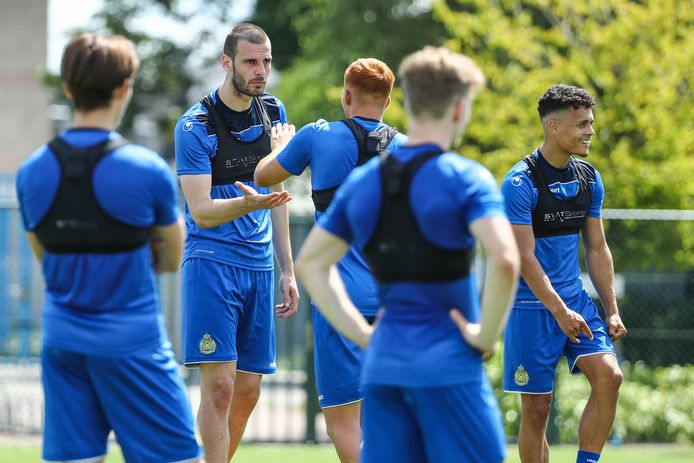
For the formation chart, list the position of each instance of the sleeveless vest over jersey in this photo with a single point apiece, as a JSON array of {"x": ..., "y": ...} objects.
[
  {"x": 553, "y": 216},
  {"x": 236, "y": 160},
  {"x": 75, "y": 222},
  {"x": 398, "y": 251},
  {"x": 370, "y": 144}
]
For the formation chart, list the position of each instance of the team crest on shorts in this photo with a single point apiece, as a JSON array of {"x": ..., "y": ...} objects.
[
  {"x": 521, "y": 377},
  {"x": 207, "y": 345}
]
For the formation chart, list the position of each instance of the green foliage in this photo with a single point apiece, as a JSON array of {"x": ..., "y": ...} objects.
[
  {"x": 333, "y": 33},
  {"x": 166, "y": 73},
  {"x": 635, "y": 57},
  {"x": 655, "y": 404}
]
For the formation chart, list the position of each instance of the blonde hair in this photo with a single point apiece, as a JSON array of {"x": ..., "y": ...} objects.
[{"x": 432, "y": 78}]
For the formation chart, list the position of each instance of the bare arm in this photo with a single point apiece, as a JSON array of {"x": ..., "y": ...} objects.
[
  {"x": 36, "y": 246},
  {"x": 532, "y": 272},
  {"x": 208, "y": 212},
  {"x": 601, "y": 271},
  {"x": 316, "y": 266},
  {"x": 167, "y": 246},
  {"x": 496, "y": 238},
  {"x": 269, "y": 171},
  {"x": 283, "y": 252}
]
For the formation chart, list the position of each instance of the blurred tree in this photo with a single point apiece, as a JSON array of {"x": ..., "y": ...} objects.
[
  {"x": 636, "y": 57},
  {"x": 166, "y": 72},
  {"x": 322, "y": 37}
]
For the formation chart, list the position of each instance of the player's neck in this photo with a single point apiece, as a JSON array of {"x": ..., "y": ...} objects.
[
  {"x": 367, "y": 112},
  {"x": 431, "y": 132},
  {"x": 555, "y": 156},
  {"x": 232, "y": 98},
  {"x": 102, "y": 118}
]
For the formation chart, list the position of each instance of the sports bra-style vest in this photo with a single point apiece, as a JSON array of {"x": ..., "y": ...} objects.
[
  {"x": 236, "y": 160},
  {"x": 553, "y": 216},
  {"x": 76, "y": 222},
  {"x": 370, "y": 144},
  {"x": 398, "y": 251}
]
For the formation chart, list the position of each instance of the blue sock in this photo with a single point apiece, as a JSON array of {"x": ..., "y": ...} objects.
[{"x": 587, "y": 457}]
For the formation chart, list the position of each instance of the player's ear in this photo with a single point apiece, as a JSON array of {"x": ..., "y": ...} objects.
[
  {"x": 387, "y": 102},
  {"x": 227, "y": 62}
]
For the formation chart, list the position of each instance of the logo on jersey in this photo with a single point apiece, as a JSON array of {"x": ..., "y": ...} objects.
[
  {"x": 207, "y": 345},
  {"x": 521, "y": 377},
  {"x": 188, "y": 126},
  {"x": 561, "y": 216},
  {"x": 516, "y": 181}
]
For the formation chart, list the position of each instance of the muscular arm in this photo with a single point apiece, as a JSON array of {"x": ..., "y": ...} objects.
[
  {"x": 317, "y": 269},
  {"x": 283, "y": 252},
  {"x": 496, "y": 238},
  {"x": 269, "y": 171},
  {"x": 167, "y": 246},
  {"x": 534, "y": 275},
  {"x": 208, "y": 212},
  {"x": 601, "y": 271}
]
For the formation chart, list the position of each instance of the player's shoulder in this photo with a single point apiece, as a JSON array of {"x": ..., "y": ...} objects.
[
  {"x": 195, "y": 119},
  {"x": 518, "y": 174},
  {"x": 272, "y": 103},
  {"x": 588, "y": 169},
  {"x": 140, "y": 156},
  {"x": 465, "y": 167},
  {"x": 40, "y": 156}
]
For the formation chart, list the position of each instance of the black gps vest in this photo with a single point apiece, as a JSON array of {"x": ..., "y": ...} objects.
[
  {"x": 398, "y": 251},
  {"x": 370, "y": 144},
  {"x": 236, "y": 160},
  {"x": 553, "y": 216},
  {"x": 75, "y": 221}
]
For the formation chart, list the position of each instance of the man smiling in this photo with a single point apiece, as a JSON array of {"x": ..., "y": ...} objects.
[{"x": 551, "y": 198}]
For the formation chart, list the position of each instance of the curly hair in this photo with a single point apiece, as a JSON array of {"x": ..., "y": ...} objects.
[{"x": 560, "y": 96}]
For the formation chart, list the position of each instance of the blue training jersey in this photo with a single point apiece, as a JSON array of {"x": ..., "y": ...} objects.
[
  {"x": 416, "y": 343},
  {"x": 245, "y": 241},
  {"x": 558, "y": 255},
  {"x": 331, "y": 151},
  {"x": 102, "y": 304}
]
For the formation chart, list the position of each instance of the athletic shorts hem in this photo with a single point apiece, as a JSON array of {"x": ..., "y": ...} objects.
[
  {"x": 78, "y": 460},
  {"x": 341, "y": 404},
  {"x": 195, "y": 363},
  {"x": 511, "y": 391},
  {"x": 574, "y": 369},
  {"x": 258, "y": 372},
  {"x": 191, "y": 459}
]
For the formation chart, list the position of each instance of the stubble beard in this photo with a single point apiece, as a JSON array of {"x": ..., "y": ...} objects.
[{"x": 241, "y": 88}]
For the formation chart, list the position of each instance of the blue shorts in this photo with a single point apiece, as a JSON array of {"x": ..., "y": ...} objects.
[
  {"x": 534, "y": 344},
  {"x": 140, "y": 397},
  {"x": 228, "y": 316},
  {"x": 337, "y": 363},
  {"x": 450, "y": 424}
]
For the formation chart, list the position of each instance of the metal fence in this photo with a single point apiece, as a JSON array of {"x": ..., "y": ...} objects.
[{"x": 655, "y": 284}]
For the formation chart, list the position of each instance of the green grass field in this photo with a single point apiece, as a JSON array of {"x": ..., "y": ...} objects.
[{"x": 325, "y": 454}]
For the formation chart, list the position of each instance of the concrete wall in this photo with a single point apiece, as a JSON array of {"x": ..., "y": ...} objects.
[{"x": 24, "y": 121}]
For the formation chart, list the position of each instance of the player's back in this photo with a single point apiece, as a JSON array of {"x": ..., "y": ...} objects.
[
  {"x": 446, "y": 194},
  {"x": 102, "y": 302}
]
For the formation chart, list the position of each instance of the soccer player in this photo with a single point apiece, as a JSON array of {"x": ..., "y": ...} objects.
[
  {"x": 102, "y": 216},
  {"x": 228, "y": 325},
  {"x": 332, "y": 150},
  {"x": 415, "y": 213},
  {"x": 552, "y": 198}
]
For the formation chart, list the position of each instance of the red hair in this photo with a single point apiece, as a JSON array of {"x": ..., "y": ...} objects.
[{"x": 369, "y": 77}]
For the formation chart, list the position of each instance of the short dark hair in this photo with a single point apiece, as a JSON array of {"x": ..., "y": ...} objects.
[
  {"x": 244, "y": 31},
  {"x": 560, "y": 96},
  {"x": 93, "y": 66}
]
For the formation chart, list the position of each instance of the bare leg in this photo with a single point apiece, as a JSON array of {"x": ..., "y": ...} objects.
[
  {"x": 344, "y": 429},
  {"x": 532, "y": 441},
  {"x": 605, "y": 378},
  {"x": 246, "y": 394},
  {"x": 216, "y": 391}
]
